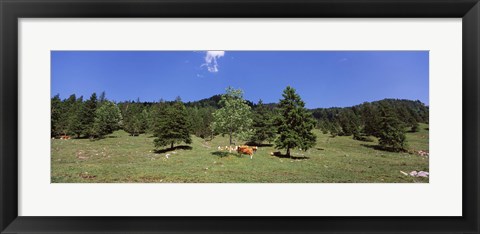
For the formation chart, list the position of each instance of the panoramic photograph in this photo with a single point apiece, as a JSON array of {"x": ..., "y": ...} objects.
[{"x": 239, "y": 116}]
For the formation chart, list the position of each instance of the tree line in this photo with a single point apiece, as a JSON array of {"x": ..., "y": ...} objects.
[{"x": 287, "y": 124}]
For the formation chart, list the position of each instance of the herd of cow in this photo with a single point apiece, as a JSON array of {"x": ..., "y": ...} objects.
[{"x": 242, "y": 149}]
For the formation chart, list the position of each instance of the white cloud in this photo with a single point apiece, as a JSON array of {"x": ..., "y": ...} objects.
[{"x": 211, "y": 58}]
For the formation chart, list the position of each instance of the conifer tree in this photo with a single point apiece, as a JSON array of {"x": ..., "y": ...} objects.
[
  {"x": 102, "y": 98},
  {"x": 295, "y": 123},
  {"x": 56, "y": 115},
  {"x": 68, "y": 113},
  {"x": 234, "y": 117},
  {"x": 135, "y": 120},
  {"x": 154, "y": 117},
  {"x": 173, "y": 127},
  {"x": 370, "y": 117},
  {"x": 349, "y": 122},
  {"x": 75, "y": 123},
  {"x": 263, "y": 128},
  {"x": 391, "y": 133},
  {"x": 88, "y": 115}
]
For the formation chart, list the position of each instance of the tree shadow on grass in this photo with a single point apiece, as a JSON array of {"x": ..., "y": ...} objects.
[
  {"x": 280, "y": 155},
  {"x": 180, "y": 147},
  {"x": 224, "y": 154},
  {"x": 381, "y": 148}
]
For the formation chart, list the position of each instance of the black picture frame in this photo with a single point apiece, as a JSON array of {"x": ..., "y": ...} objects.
[{"x": 11, "y": 11}]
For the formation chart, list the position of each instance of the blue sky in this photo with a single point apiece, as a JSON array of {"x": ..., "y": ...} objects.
[{"x": 322, "y": 78}]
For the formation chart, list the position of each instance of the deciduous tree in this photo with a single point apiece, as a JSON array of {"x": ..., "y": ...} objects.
[
  {"x": 107, "y": 119},
  {"x": 234, "y": 117}
]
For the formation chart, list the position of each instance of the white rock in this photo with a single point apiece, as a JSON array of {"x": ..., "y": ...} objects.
[{"x": 423, "y": 174}]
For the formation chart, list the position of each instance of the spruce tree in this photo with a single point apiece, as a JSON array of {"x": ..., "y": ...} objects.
[
  {"x": 295, "y": 123},
  {"x": 68, "y": 113},
  {"x": 56, "y": 115},
  {"x": 173, "y": 126},
  {"x": 391, "y": 133},
  {"x": 349, "y": 122},
  {"x": 234, "y": 117},
  {"x": 370, "y": 118},
  {"x": 135, "y": 120},
  {"x": 75, "y": 123},
  {"x": 263, "y": 128},
  {"x": 102, "y": 98},
  {"x": 88, "y": 115}
]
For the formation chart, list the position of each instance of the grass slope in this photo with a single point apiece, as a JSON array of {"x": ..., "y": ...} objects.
[{"x": 123, "y": 158}]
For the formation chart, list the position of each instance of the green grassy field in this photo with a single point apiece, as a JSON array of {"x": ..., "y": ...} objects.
[{"x": 121, "y": 158}]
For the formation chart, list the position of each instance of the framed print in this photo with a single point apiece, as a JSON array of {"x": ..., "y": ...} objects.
[{"x": 226, "y": 116}]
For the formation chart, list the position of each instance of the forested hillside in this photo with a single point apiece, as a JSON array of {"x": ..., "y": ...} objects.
[{"x": 88, "y": 118}]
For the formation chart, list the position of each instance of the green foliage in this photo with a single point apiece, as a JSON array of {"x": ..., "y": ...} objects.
[
  {"x": 87, "y": 115},
  {"x": 263, "y": 126},
  {"x": 391, "y": 134},
  {"x": 294, "y": 124},
  {"x": 107, "y": 119},
  {"x": 415, "y": 127},
  {"x": 349, "y": 122},
  {"x": 75, "y": 124},
  {"x": 363, "y": 120},
  {"x": 370, "y": 118},
  {"x": 234, "y": 118},
  {"x": 56, "y": 111},
  {"x": 135, "y": 118},
  {"x": 200, "y": 120},
  {"x": 173, "y": 126}
]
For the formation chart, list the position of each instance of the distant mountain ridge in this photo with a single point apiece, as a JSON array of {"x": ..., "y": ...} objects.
[{"x": 213, "y": 101}]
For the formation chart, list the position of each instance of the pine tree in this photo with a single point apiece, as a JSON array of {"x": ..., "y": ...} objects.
[
  {"x": 263, "y": 128},
  {"x": 75, "y": 123},
  {"x": 154, "y": 117},
  {"x": 135, "y": 120},
  {"x": 234, "y": 118},
  {"x": 349, "y": 122},
  {"x": 370, "y": 118},
  {"x": 68, "y": 113},
  {"x": 391, "y": 133},
  {"x": 295, "y": 123},
  {"x": 56, "y": 115},
  {"x": 88, "y": 115},
  {"x": 173, "y": 126}
]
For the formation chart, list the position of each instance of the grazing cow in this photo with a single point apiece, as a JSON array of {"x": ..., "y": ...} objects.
[
  {"x": 65, "y": 137},
  {"x": 245, "y": 150}
]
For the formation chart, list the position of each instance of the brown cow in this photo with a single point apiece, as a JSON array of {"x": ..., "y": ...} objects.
[
  {"x": 245, "y": 150},
  {"x": 65, "y": 137}
]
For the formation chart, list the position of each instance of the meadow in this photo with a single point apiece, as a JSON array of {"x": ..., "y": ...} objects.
[{"x": 120, "y": 158}]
